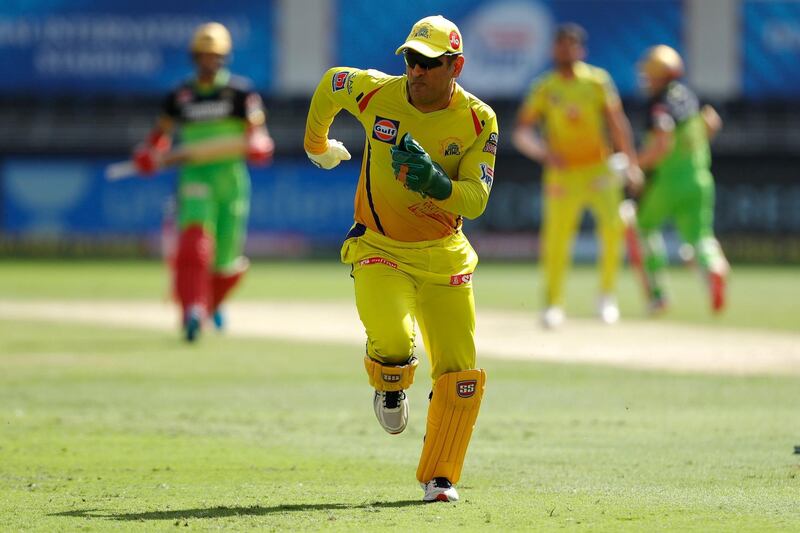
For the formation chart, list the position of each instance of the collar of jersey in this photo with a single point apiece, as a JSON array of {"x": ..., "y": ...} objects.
[{"x": 220, "y": 80}]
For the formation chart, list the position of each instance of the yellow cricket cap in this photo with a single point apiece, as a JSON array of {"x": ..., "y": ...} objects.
[{"x": 433, "y": 36}]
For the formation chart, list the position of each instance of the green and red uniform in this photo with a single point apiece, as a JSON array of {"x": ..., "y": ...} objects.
[
  {"x": 680, "y": 188},
  {"x": 213, "y": 197}
]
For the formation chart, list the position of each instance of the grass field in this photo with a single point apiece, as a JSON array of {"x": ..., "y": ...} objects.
[{"x": 112, "y": 428}]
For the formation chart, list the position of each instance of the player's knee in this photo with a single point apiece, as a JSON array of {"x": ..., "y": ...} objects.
[
  {"x": 393, "y": 348},
  {"x": 194, "y": 247}
]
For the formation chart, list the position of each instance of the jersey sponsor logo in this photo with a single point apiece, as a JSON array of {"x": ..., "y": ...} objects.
[
  {"x": 491, "y": 144},
  {"x": 466, "y": 388},
  {"x": 377, "y": 261},
  {"x": 339, "y": 79},
  {"x": 424, "y": 209},
  {"x": 385, "y": 130},
  {"x": 391, "y": 378},
  {"x": 451, "y": 146},
  {"x": 350, "y": 80},
  {"x": 455, "y": 40},
  {"x": 208, "y": 110},
  {"x": 487, "y": 174},
  {"x": 460, "y": 279}
]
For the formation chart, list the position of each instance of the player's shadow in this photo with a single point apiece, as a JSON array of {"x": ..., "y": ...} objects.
[{"x": 224, "y": 512}]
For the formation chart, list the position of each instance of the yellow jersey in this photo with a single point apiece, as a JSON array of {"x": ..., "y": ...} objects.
[
  {"x": 573, "y": 111},
  {"x": 462, "y": 138}
]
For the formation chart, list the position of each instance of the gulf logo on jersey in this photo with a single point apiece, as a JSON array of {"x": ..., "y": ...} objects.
[
  {"x": 339, "y": 80},
  {"x": 385, "y": 130}
]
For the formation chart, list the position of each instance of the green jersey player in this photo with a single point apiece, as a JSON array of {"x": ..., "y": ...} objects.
[
  {"x": 213, "y": 195},
  {"x": 680, "y": 187}
]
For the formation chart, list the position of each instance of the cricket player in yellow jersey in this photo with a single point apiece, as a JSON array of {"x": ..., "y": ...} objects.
[
  {"x": 578, "y": 108},
  {"x": 428, "y": 161}
]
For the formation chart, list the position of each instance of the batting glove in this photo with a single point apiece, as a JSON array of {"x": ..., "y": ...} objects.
[
  {"x": 331, "y": 157},
  {"x": 260, "y": 147},
  {"x": 414, "y": 167}
]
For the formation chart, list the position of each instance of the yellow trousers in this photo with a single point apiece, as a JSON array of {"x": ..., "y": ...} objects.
[
  {"x": 567, "y": 192},
  {"x": 400, "y": 283}
]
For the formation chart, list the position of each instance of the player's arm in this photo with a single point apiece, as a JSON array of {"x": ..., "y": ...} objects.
[
  {"x": 525, "y": 137},
  {"x": 475, "y": 174},
  {"x": 619, "y": 128},
  {"x": 147, "y": 155},
  {"x": 337, "y": 90},
  {"x": 260, "y": 145},
  {"x": 660, "y": 139},
  {"x": 712, "y": 121}
]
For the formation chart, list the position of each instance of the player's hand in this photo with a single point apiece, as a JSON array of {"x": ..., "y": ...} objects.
[
  {"x": 414, "y": 168},
  {"x": 330, "y": 158},
  {"x": 553, "y": 160},
  {"x": 146, "y": 160},
  {"x": 634, "y": 180},
  {"x": 260, "y": 147}
]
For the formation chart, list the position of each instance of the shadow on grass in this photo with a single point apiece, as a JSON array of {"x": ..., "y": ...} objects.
[{"x": 223, "y": 511}]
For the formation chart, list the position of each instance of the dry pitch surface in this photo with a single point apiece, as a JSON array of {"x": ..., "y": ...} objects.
[{"x": 500, "y": 334}]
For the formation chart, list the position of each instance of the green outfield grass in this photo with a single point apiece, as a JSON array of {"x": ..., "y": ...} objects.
[
  {"x": 112, "y": 429},
  {"x": 763, "y": 297},
  {"x": 104, "y": 428}
]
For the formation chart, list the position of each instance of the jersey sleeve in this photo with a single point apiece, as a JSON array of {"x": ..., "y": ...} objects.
[
  {"x": 475, "y": 171},
  {"x": 609, "y": 95},
  {"x": 169, "y": 107},
  {"x": 534, "y": 104},
  {"x": 340, "y": 88}
]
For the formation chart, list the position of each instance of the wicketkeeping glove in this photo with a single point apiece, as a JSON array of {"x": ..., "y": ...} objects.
[
  {"x": 414, "y": 166},
  {"x": 330, "y": 158}
]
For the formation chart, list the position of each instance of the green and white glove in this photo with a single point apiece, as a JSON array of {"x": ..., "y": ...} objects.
[
  {"x": 330, "y": 158},
  {"x": 413, "y": 166}
]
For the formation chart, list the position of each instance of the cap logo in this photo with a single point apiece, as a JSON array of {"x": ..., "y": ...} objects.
[
  {"x": 455, "y": 40},
  {"x": 466, "y": 388},
  {"x": 423, "y": 31}
]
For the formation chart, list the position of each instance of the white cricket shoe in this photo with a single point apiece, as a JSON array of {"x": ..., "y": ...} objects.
[
  {"x": 391, "y": 408},
  {"x": 552, "y": 317},
  {"x": 439, "y": 489},
  {"x": 607, "y": 309}
]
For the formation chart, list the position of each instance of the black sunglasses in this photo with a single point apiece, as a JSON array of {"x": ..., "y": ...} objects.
[{"x": 415, "y": 58}]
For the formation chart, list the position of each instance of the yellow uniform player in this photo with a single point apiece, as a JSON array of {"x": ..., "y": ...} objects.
[
  {"x": 428, "y": 161},
  {"x": 577, "y": 107}
]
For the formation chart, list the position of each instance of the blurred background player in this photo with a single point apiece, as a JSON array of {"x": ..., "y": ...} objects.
[
  {"x": 578, "y": 108},
  {"x": 410, "y": 260},
  {"x": 213, "y": 196},
  {"x": 680, "y": 186}
]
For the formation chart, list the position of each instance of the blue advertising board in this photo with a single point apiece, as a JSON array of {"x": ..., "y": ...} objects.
[
  {"x": 103, "y": 46},
  {"x": 771, "y": 47},
  {"x": 67, "y": 198},
  {"x": 507, "y": 43}
]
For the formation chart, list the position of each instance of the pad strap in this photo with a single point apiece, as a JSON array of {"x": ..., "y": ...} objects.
[
  {"x": 455, "y": 402},
  {"x": 390, "y": 377}
]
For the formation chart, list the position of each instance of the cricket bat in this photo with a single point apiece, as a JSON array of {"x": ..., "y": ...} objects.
[{"x": 193, "y": 153}]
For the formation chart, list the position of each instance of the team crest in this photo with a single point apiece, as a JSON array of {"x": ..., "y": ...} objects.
[
  {"x": 451, "y": 146},
  {"x": 466, "y": 388},
  {"x": 385, "y": 130},
  {"x": 487, "y": 175},
  {"x": 339, "y": 79},
  {"x": 423, "y": 32}
]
